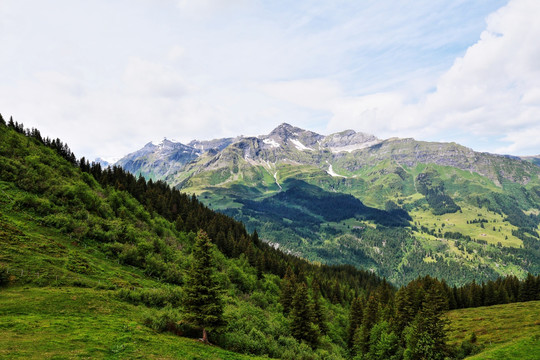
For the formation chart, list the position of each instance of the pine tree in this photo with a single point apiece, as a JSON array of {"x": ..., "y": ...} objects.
[
  {"x": 528, "y": 290},
  {"x": 302, "y": 319},
  {"x": 476, "y": 294},
  {"x": 203, "y": 303},
  {"x": 426, "y": 336},
  {"x": 255, "y": 238},
  {"x": 179, "y": 223},
  {"x": 2, "y": 121},
  {"x": 355, "y": 320},
  {"x": 288, "y": 288},
  {"x": 491, "y": 296},
  {"x": 383, "y": 343},
  {"x": 318, "y": 311},
  {"x": 371, "y": 313}
]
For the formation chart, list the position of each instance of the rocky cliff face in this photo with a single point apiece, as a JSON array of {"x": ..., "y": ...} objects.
[
  {"x": 349, "y": 141},
  {"x": 409, "y": 152},
  {"x": 533, "y": 159},
  {"x": 156, "y": 161},
  {"x": 215, "y": 144}
]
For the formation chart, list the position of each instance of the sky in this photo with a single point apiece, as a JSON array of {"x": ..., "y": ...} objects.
[{"x": 108, "y": 76}]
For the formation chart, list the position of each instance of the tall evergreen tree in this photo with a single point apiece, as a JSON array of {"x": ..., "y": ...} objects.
[
  {"x": 302, "y": 319},
  {"x": 528, "y": 290},
  {"x": 407, "y": 305},
  {"x": 203, "y": 303},
  {"x": 318, "y": 310},
  {"x": 383, "y": 343},
  {"x": 371, "y": 314},
  {"x": 355, "y": 320},
  {"x": 288, "y": 289},
  {"x": 476, "y": 294},
  {"x": 426, "y": 336}
]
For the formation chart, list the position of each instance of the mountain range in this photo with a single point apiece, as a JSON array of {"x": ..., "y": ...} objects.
[{"x": 399, "y": 207}]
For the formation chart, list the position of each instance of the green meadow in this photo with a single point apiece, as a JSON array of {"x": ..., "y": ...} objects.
[{"x": 510, "y": 331}]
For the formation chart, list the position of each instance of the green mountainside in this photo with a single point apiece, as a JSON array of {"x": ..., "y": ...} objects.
[
  {"x": 399, "y": 207},
  {"x": 95, "y": 263}
]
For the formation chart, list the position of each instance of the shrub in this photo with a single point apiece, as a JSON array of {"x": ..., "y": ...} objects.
[
  {"x": 154, "y": 265},
  {"x": 152, "y": 297},
  {"x": 78, "y": 264},
  {"x": 60, "y": 221},
  {"x": 4, "y": 277},
  {"x": 254, "y": 342},
  {"x": 259, "y": 299},
  {"x": 38, "y": 205},
  {"x": 173, "y": 275},
  {"x": 167, "y": 319},
  {"x": 82, "y": 283},
  {"x": 244, "y": 282},
  {"x": 130, "y": 255}
]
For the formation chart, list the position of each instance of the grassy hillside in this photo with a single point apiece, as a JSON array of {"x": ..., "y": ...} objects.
[
  {"x": 510, "y": 331},
  {"x": 65, "y": 298},
  {"x": 71, "y": 322},
  {"x": 88, "y": 271}
]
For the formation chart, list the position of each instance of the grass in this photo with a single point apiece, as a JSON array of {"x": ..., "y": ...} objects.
[
  {"x": 77, "y": 323},
  {"x": 525, "y": 349},
  {"x": 457, "y": 222},
  {"x": 510, "y": 331}
]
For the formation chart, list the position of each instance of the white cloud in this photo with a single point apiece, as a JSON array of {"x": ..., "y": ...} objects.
[
  {"x": 311, "y": 93},
  {"x": 154, "y": 79},
  {"x": 107, "y": 77},
  {"x": 493, "y": 91},
  {"x": 522, "y": 141}
]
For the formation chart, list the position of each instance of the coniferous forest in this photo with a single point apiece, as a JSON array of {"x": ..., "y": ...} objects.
[{"x": 72, "y": 229}]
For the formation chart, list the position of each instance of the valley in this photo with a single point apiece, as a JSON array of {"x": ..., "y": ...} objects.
[{"x": 399, "y": 207}]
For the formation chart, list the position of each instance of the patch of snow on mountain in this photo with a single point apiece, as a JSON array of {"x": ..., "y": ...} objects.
[
  {"x": 112, "y": 160},
  {"x": 271, "y": 142},
  {"x": 332, "y": 173},
  {"x": 106, "y": 161},
  {"x": 300, "y": 146},
  {"x": 353, "y": 147},
  {"x": 275, "y": 177}
]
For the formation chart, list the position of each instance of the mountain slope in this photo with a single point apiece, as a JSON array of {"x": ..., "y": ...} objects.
[
  {"x": 82, "y": 250},
  {"x": 476, "y": 212}
]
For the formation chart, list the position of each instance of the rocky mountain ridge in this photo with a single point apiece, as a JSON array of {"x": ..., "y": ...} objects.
[{"x": 348, "y": 151}]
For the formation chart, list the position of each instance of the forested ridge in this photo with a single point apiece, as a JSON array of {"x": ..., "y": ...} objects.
[{"x": 264, "y": 301}]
